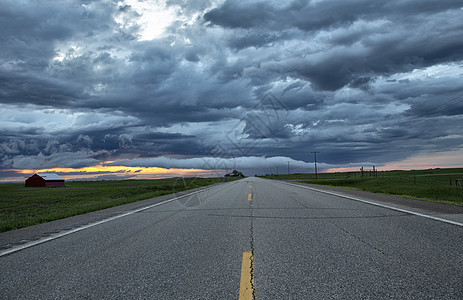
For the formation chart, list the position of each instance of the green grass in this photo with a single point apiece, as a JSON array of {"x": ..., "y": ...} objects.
[
  {"x": 431, "y": 185},
  {"x": 21, "y": 206}
]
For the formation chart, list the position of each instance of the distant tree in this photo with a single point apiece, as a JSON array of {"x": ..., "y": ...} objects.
[{"x": 235, "y": 173}]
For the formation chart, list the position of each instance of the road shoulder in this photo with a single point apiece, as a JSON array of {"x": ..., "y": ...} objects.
[{"x": 438, "y": 210}]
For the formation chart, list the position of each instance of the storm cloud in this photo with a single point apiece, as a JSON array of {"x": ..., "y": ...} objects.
[{"x": 184, "y": 84}]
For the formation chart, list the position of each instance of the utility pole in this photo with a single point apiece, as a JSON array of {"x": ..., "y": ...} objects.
[{"x": 315, "y": 154}]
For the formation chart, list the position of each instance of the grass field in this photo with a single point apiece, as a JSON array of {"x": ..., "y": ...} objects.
[
  {"x": 21, "y": 206},
  {"x": 437, "y": 185}
]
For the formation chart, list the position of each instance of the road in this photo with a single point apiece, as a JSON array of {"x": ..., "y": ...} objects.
[{"x": 248, "y": 238}]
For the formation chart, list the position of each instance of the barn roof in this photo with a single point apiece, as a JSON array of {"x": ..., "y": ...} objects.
[{"x": 50, "y": 176}]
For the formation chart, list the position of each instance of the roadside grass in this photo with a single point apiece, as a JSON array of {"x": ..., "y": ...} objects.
[
  {"x": 436, "y": 185},
  {"x": 22, "y": 207}
]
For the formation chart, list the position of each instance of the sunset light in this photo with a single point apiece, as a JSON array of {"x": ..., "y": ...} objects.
[{"x": 101, "y": 172}]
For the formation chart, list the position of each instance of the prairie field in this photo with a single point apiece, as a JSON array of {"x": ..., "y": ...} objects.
[
  {"x": 25, "y": 206},
  {"x": 437, "y": 185}
]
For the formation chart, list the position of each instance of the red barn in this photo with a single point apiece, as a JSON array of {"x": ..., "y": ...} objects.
[{"x": 44, "y": 180}]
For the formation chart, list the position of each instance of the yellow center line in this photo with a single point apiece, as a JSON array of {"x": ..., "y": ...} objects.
[
  {"x": 247, "y": 279},
  {"x": 250, "y": 197}
]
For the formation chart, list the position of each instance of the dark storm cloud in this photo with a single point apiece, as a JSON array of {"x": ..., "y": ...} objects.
[
  {"x": 26, "y": 89},
  {"x": 242, "y": 15},
  {"x": 390, "y": 48},
  {"x": 359, "y": 81},
  {"x": 317, "y": 15},
  {"x": 31, "y": 29}
]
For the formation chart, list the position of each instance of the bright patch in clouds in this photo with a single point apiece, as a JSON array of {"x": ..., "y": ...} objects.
[
  {"x": 53, "y": 121},
  {"x": 154, "y": 17},
  {"x": 435, "y": 71}
]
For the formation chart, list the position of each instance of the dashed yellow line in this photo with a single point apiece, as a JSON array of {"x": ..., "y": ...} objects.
[
  {"x": 250, "y": 193},
  {"x": 247, "y": 279}
]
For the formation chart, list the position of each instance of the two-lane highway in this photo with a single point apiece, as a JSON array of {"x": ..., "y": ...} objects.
[{"x": 244, "y": 239}]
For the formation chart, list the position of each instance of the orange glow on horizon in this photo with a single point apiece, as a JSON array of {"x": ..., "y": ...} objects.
[{"x": 123, "y": 172}]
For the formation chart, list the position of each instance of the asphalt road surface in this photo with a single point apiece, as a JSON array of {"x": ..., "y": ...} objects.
[{"x": 252, "y": 238}]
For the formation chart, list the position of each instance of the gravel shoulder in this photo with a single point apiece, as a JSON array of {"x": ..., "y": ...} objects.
[{"x": 440, "y": 210}]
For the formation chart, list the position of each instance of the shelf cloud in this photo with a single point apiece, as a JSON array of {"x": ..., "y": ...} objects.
[{"x": 189, "y": 84}]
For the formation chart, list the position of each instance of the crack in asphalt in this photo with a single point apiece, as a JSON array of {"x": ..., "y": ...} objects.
[{"x": 361, "y": 240}]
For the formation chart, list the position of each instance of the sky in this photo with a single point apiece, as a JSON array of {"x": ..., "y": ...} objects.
[{"x": 152, "y": 89}]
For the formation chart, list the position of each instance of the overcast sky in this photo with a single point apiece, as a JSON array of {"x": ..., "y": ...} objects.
[{"x": 217, "y": 85}]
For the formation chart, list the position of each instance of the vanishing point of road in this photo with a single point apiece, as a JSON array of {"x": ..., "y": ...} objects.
[{"x": 246, "y": 239}]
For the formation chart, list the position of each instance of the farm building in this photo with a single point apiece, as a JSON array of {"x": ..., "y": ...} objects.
[{"x": 44, "y": 180}]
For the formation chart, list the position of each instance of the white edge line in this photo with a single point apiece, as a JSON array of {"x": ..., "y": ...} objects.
[
  {"x": 68, "y": 232},
  {"x": 378, "y": 204}
]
